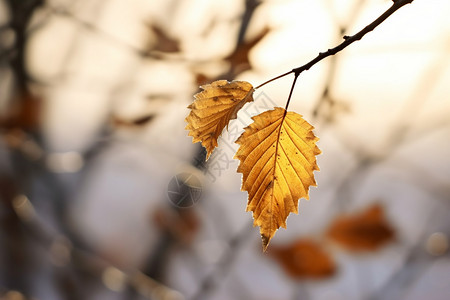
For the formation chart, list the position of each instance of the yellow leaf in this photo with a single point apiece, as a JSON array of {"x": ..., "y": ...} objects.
[
  {"x": 277, "y": 156},
  {"x": 213, "y": 108}
]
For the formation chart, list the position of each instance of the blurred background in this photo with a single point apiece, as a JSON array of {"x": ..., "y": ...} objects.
[{"x": 104, "y": 196}]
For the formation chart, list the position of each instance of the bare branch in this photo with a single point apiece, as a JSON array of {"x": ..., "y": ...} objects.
[{"x": 347, "y": 41}]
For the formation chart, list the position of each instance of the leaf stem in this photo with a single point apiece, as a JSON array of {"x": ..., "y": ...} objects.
[
  {"x": 273, "y": 79},
  {"x": 290, "y": 93},
  {"x": 347, "y": 41}
]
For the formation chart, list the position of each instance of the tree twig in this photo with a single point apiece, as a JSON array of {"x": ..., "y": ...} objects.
[
  {"x": 290, "y": 94},
  {"x": 347, "y": 41}
]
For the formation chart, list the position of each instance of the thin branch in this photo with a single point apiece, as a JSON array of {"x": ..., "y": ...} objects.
[
  {"x": 273, "y": 79},
  {"x": 347, "y": 41},
  {"x": 250, "y": 7},
  {"x": 290, "y": 93}
]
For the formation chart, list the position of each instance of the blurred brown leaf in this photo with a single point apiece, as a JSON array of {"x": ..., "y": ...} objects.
[
  {"x": 183, "y": 225},
  {"x": 23, "y": 113},
  {"x": 202, "y": 79},
  {"x": 366, "y": 231},
  {"x": 303, "y": 259},
  {"x": 164, "y": 43},
  {"x": 239, "y": 58}
]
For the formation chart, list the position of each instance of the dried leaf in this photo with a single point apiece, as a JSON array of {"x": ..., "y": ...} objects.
[
  {"x": 239, "y": 58},
  {"x": 304, "y": 258},
  {"x": 24, "y": 112},
  {"x": 366, "y": 231},
  {"x": 181, "y": 224},
  {"x": 277, "y": 156},
  {"x": 164, "y": 42},
  {"x": 202, "y": 79},
  {"x": 213, "y": 108}
]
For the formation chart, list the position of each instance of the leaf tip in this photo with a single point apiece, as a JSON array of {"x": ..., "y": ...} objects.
[{"x": 265, "y": 242}]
